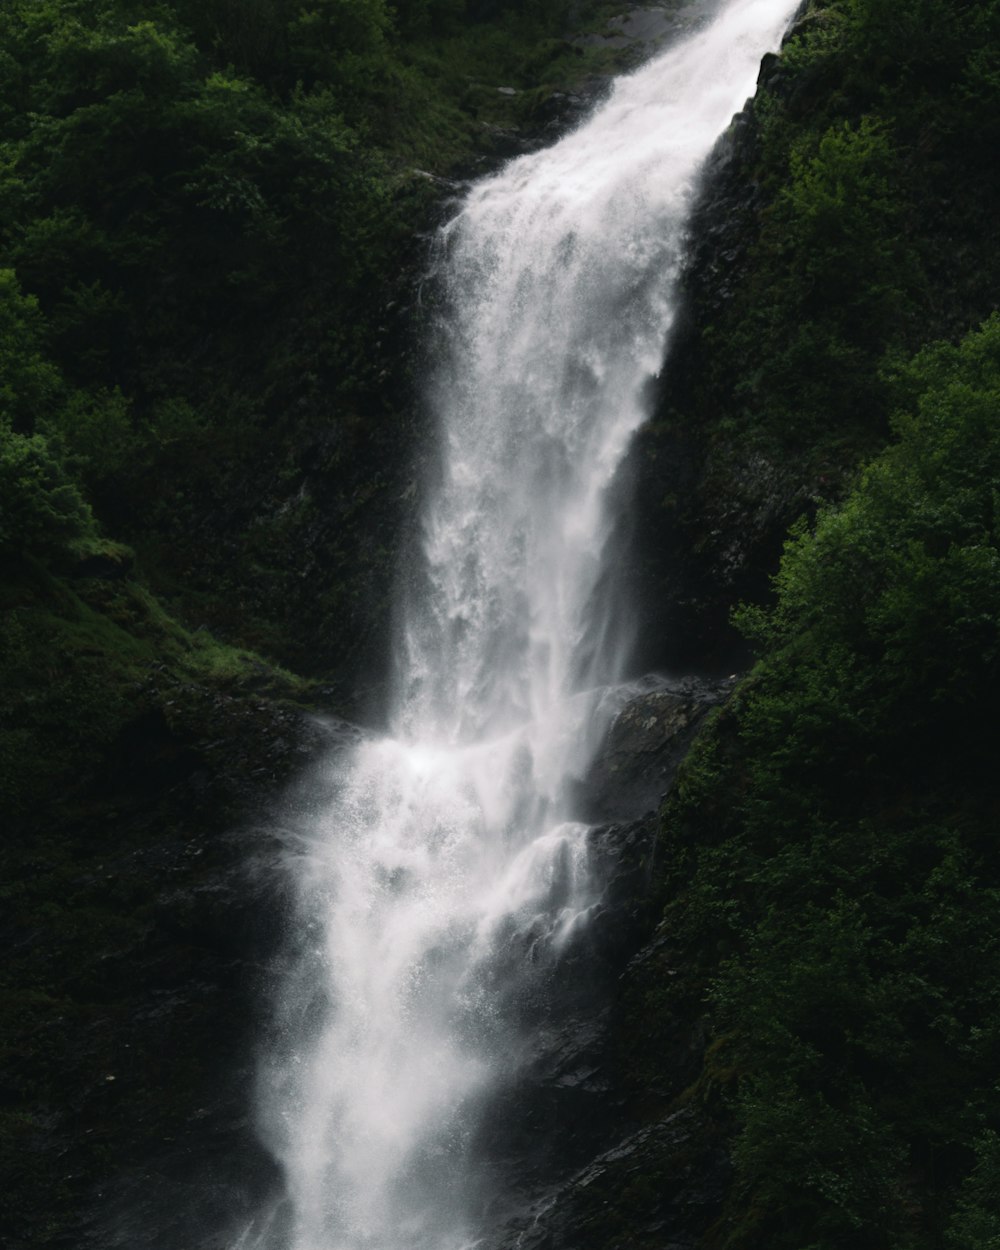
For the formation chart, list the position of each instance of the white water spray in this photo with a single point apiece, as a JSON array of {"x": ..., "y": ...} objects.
[{"x": 442, "y": 856}]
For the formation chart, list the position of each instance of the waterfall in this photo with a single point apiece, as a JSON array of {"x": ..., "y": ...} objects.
[{"x": 440, "y": 867}]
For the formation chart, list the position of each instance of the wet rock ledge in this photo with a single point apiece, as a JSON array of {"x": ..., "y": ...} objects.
[{"x": 593, "y": 1147}]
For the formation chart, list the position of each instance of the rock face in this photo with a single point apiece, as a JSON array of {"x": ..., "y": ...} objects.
[
  {"x": 647, "y": 27},
  {"x": 166, "y": 1076},
  {"x": 646, "y": 744},
  {"x": 196, "y": 1168},
  {"x": 143, "y": 910},
  {"x": 709, "y": 524},
  {"x": 660, "y": 1186},
  {"x": 585, "y": 1149}
]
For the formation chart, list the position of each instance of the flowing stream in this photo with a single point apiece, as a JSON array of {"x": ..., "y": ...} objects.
[{"x": 440, "y": 866}]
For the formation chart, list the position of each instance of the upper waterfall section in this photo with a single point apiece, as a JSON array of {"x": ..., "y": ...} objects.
[{"x": 558, "y": 278}]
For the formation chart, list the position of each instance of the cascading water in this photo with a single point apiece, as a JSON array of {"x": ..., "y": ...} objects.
[{"x": 434, "y": 859}]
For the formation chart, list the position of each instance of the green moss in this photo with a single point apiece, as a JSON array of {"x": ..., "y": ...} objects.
[{"x": 77, "y": 657}]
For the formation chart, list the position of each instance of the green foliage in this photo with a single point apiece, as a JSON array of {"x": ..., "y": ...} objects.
[
  {"x": 109, "y": 708},
  {"x": 76, "y": 662},
  {"x": 976, "y": 1225},
  {"x": 858, "y": 228},
  {"x": 95, "y": 433},
  {"x": 842, "y": 856},
  {"x": 833, "y": 291},
  {"x": 907, "y": 568},
  {"x": 204, "y": 210},
  {"x": 28, "y": 382},
  {"x": 842, "y": 218},
  {"x": 41, "y": 510}
]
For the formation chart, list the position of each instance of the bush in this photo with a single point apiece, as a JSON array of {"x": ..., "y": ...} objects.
[
  {"x": 846, "y": 857},
  {"x": 41, "y": 510}
]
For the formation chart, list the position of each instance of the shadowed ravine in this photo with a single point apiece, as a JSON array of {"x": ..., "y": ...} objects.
[{"x": 443, "y": 868}]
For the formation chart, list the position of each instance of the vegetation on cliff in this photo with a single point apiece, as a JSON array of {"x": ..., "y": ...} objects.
[
  {"x": 832, "y": 852},
  {"x": 830, "y": 859},
  {"x": 208, "y": 215},
  {"x": 206, "y": 432},
  {"x": 205, "y": 209},
  {"x": 848, "y": 223}
]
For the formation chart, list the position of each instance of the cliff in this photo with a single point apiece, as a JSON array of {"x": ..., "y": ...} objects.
[{"x": 210, "y": 327}]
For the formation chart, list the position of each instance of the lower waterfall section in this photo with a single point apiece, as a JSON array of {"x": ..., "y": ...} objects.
[{"x": 439, "y": 873}]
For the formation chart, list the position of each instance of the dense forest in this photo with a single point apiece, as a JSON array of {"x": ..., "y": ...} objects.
[{"x": 211, "y": 246}]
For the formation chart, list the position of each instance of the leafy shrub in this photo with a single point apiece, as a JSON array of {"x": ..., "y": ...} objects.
[
  {"x": 846, "y": 857},
  {"x": 41, "y": 510},
  {"x": 29, "y": 383}
]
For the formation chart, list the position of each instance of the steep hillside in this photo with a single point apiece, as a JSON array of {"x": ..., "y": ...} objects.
[
  {"x": 211, "y": 238},
  {"x": 828, "y": 855},
  {"x": 847, "y": 222}
]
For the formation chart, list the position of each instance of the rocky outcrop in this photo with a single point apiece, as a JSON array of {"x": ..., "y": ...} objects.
[
  {"x": 662, "y": 1186},
  {"x": 712, "y": 514},
  {"x": 191, "y": 1169},
  {"x": 644, "y": 28},
  {"x": 135, "y": 940},
  {"x": 645, "y": 746},
  {"x": 586, "y": 1150}
]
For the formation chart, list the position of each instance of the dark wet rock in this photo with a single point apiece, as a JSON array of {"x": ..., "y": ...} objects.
[
  {"x": 582, "y": 1144},
  {"x": 709, "y": 526},
  {"x": 585, "y": 1151},
  {"x": 569, "y": 1142},
  {"x": 555, "y": 1115},
  {"x": 710, "y": 523},
  {"x": 637, "y": 34},
  {"x": 647, "y": 27},
  {"x": 334, "y": 735},
  {"x": 564, "y": 1102},
  {"x": 159, "y": 910},
  {"x": 662, "y": 1186},
  {"x": 645, "y": 746},
  {"x": 561, "y": 111},
  {"x": 194, "y": 987}
]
